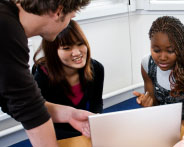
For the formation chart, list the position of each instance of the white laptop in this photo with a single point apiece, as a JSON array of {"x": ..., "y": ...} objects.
[{"x": 157, "y": 126}]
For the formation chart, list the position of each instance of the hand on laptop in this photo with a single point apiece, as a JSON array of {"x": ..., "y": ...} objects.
[
  {"x": 144, "y": 100},
  {"x": 180, "y": 143},
  {"x": 79, "y": 120}
]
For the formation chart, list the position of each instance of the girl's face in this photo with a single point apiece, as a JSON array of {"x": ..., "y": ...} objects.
[
  {"x": 162, "y": 51},
  {"x": 73, "y": 57}
]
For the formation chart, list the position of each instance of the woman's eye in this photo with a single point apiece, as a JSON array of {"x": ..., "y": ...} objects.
[
  {"x": 80, "y": 43},
  {"x": 171, "y": 51},
  {"x": 156, "y": 50},
  {"x": 66, "y": 48}
]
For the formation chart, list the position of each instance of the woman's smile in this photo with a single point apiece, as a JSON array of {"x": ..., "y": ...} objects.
[{"x": 78, "y": 59}]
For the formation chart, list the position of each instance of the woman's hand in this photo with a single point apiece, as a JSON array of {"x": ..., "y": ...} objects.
[{"x": 144, "y": 100}]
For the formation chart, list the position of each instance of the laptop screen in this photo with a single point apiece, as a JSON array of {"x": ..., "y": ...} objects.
[{"x": 157, "y": 126}]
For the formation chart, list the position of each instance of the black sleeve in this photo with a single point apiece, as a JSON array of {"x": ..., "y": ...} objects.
[
  {"x": 20, "y": 96},
  {"x": 96, "y": 102}
]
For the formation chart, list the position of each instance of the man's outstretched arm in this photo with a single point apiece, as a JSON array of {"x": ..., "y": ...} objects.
[
  {"x": 77, "y": 118},
  {"x": 43, "y": 135}
]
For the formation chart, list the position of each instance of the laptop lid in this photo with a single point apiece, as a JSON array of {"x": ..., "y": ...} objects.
[{"x": 157, "y": 126}]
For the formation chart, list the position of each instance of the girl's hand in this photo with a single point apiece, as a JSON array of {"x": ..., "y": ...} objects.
[{"x": 144, "y": 100}]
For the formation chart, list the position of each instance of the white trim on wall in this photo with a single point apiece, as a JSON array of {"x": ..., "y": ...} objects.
[
  {"x": 163, "y": 4},
  {"x": 102, "y": 8}
]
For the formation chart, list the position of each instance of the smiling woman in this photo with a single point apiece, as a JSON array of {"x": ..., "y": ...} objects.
[
  {"x": 162, "y": 71},
  {"x": 68, "y": 75}
]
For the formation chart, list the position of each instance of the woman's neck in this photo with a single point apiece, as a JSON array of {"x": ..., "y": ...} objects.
[{"x": 72, "y": 76}]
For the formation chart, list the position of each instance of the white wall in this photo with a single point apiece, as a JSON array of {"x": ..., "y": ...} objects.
[
  {"x": 110, "y": 44},
  {"x": 140, "y": 43}
]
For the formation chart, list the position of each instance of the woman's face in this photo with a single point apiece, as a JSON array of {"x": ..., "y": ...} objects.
[
  {"x": 74, "y": 56},
  {"x": 162, "y": 51}
]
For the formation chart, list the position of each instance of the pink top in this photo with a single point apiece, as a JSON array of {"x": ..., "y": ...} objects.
[
  {"x": 44, "y": 70},
  {"x": 76, "y": 89},
  {"x": 78, "y": 94}
]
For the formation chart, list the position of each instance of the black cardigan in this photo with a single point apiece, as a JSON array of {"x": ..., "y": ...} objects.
[{"x": 91, "y": 101}]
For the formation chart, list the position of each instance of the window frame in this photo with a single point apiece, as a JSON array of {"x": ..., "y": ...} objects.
[
  {"x": 102, "y": 8},
  {"x": 164, "y": 5}
]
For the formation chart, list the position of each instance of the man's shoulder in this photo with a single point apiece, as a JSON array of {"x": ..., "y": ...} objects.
[
  {"x": 9, "y": 15},
  {"x": 8, "y": 8},
  {"x": 10, "y": 26}
]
